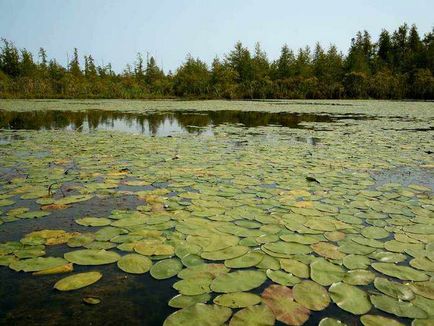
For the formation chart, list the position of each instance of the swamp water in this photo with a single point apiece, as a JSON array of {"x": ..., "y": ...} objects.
[{"x": 174, "y": 215}]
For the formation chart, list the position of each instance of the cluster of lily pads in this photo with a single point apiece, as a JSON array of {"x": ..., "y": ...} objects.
[{"x": 252, "y": 228}]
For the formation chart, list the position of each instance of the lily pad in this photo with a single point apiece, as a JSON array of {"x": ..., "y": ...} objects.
[
  {"x": 375, "y": 320},
  {"x": 401, "y": 272},
  {"x": 92, "y": 257},
  {"x": 396, "y": 307},
  {"x": 239, "y": 281},
  {"x": 77, "y": 281},
  {"x": 134, "y": 264},
  {"x": 184, "y": 301},
  {"x": 259, "y": 315},
  {"x": 227, "y": 253},
  {"x": 248, "y": 260},
  {"x": 282, "y": 278},
  {"x": 37, "y": 264},
  {"x": 295, "y": 267},
  {"x": 237, "y": 299},
  {"x": 93, "y": 221},
  {"x": 350, "y": 298},
  {"x": 194, "y": 286},
  {"x": 394, "y": 289},
  {"x": 166, "y": 268},
  {"x": 425, "y": 289},
  {"x": 280, "y": 300},
  {"x": 311, "y": 295},
  {"x": 326, "y": 273},
  {"x": 199, "y": 314}
]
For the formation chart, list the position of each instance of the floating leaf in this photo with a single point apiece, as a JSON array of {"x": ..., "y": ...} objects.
[
  {"x": 295, "y": 267},
  {"x": 356, "y": 262},
  {"x": 401, "y": 272},
  {"x": 311, "y": 295},
  {"x": 92, "y": 257},
  {"x": 91, "y": 300},
  {"x": 375, "y": 320},
  {"x": 93, "y": 221},
  {"x": 425, "y": 289},
  {"x": 280, "y": 300},
  {"x": 359, "y": 277},
  {"x": 77, "y": 281},
  {"x": 199, "y": 314},
  {"x": 184, "y": 301},
  {"x": 396, "y": 307},
  {"x": 327, "y": 250},
  {"x": 393, "y": 289},
  {"x": 350, "y": 298},
  {"x": 282, "y": 278},
  {"x": 237, "y": 299},
  {"x": 331, "y": 322},
  {"x": 259, "y": 315},
  {"x": 203, "y": 270},
  {"x": 134, "y": 264},
  {"x": 239, "y": 281},
  {"x": 326, "y": 273},
  {"x": 166, "y": 268},
  {"x": 194, "y": 286},
  {"x": 37, "y": 264},
  {"x": 56, "y": 270},
  {"x": 227, "y": 253},
  {"x": 248, "y": 260},
  {"x": 154, "y": 248}
]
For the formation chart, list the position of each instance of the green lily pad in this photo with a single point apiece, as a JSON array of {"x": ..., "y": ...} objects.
[
  {"x": 92, "y": 257},
  {"x": 227, "y": 253},
  {"x": 248, "y": 260},
  {"x": 401, "y": 272},
  {"x": 203, "y": 270},
  {"x": 91, "y": 300},
  {"x": 199, "y": 314},
  {"x": 359, "y": 277},
  {"x": 237, "y": 299},
  {"x": 287, "y": 248},
  {"x": 331, "y": 322},
  {"x": 425, "y": 289},
  {"x": 259, "y": 315},
  {"x": 311, "y": 295},
  {"x": 239, "y": 281},
  {"x": 350, "y": 298},
  {"x": 388, "y": 257},
  {"x": 327, "y": 250},
  {"x": 282, "y": 278},
  {"x": 396, "y": 307},
  {"x": 295, "y": 267},
  {"x": 194, "y": 286},
  {"x": 373, "y": 232},
  {"x": 184, "y": 301},
  {"x": 326, "y": 273},
  {"x": 423, "y": 264},
  {"x": 37, "y": 264},
  {"x": 154, "y": 248},
  {"x": 356, "y": 262},
  {"x": 375, "y": 320},
  {"x": 77, "y": 281},
  {"x": 134, "y": 264},
  {"x": 93, "y": 221},
  {"x": 166, "y": 268},
  {"x": 394, "y": 289}
]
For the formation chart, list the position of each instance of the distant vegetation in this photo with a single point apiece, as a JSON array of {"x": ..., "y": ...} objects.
[{"x": 399, "y": 65}]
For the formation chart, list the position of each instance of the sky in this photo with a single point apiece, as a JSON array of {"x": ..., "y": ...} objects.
[{"x": 115, "y": 30}]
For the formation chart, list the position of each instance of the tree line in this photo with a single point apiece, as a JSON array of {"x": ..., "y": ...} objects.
[{"x": 400, "y": 64}]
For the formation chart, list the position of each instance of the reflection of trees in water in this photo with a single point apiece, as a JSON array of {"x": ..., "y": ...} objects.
[{"x": 153, "y": 121}]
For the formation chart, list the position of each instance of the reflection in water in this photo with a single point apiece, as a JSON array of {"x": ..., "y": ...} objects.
[{"x": 154, "y": 124}]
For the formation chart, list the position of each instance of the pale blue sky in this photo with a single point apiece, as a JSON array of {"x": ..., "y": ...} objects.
[{"x": 114, "y": 31}]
